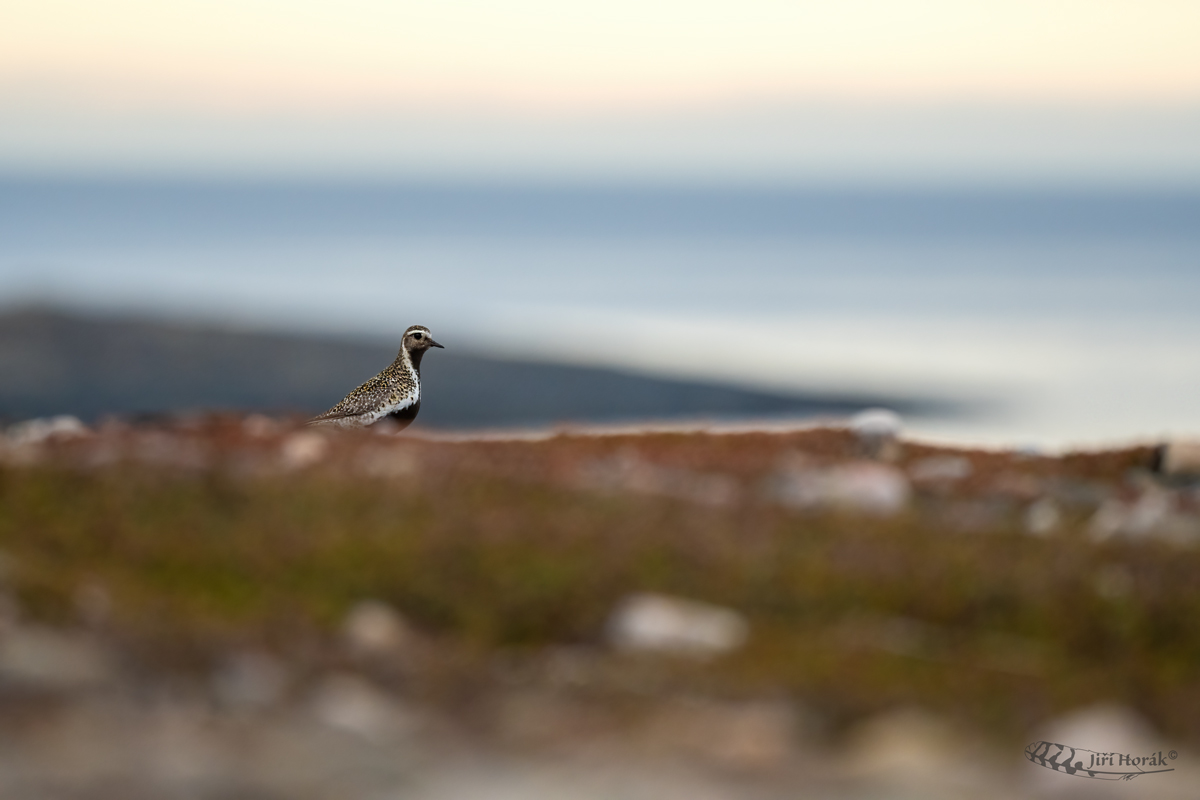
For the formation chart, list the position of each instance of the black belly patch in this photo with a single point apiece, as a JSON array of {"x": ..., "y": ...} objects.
[{"x": 405, "y": 416}]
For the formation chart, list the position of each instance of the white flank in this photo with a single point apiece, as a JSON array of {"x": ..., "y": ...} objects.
[{"x": 370, "y": 417}]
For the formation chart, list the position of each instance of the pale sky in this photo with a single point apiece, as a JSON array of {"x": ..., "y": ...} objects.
[{"x": 145, "y": 75}]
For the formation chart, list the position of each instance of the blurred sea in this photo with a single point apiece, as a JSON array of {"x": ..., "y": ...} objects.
[{"x": 1071, "y": 315}]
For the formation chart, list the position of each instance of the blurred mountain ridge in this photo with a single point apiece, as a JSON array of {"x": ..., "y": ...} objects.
[{"x": 59, "y": 362}]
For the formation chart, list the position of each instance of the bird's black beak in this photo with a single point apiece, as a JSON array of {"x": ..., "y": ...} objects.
[{"x": 432, "y": 343}]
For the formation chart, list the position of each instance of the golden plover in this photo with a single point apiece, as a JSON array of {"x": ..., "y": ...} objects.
[{"x": 394, "y": 394}]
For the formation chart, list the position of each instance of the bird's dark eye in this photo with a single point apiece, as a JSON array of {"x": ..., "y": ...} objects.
[{"x": 418, "y": 336}]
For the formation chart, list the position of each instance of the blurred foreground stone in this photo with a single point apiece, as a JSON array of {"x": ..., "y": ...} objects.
[
  {"x": 267, "y": 728},
  {"x": 866, "y": 487},
  {"x": 195, "y": 608},
  {"x": 878, "y": 431},
  {"x": 373, "y": 629},
  {"x": 658, "y": 623},
  {"x": 1112, "y": 728},
  {"x": 1180, "y": 458},
  {"x": 36, "y": 658},
  {"x": 35, "y": 431},
  {"x": 1156, "y": 514}
]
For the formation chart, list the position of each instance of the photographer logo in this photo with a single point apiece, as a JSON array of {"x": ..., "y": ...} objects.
[{"x": 1101, "y": 766}]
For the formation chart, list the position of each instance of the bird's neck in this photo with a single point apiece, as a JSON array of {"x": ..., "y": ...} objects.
[{"x": 412, "y": 358}]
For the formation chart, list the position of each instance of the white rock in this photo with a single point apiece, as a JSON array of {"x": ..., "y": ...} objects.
[
  {"x": 35, "y": 431},
  {"x": 940, "y": 469},
  {"x": 1180, "y": 458},
  {"x": 878, "y": 430},
  {"x": 1102, "y": 728},
  {"x": 877, "y": 422},
  {"x": 42, "y": 658},
  {"x": 661, "y": 623},
  {"x": 374, "y": 628},
  {"x": 1108, "y": 520},
  {"x": 906, "y": 745},
  {"x": 259, "y": 426},
  {"x": 303, "y": 449},
  {"x": 864, "y": 486},
  {"x": 914, "y": 753},
  {"x": 351, "y": 704},
  {"x": 1154, "y": 515},
  {"x": 1149, "y": 512},
  {"x": 1042, "y": 517}
]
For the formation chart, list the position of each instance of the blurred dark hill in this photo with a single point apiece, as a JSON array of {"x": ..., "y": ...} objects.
[{"x": 58, "y": 363}]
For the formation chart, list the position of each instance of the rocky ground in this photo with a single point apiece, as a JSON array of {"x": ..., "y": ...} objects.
[{"x": 232, "y": 607}]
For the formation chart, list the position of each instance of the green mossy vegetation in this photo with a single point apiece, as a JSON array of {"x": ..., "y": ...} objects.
[{"x": 850, "y": 613}]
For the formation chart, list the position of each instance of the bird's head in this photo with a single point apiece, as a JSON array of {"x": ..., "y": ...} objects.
[{"x": 417, "y": 339}]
